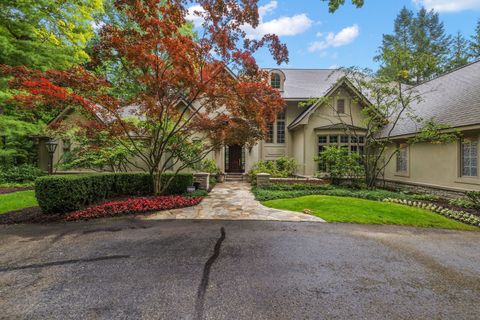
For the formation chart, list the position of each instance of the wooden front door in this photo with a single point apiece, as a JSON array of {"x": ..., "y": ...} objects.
[{"x": 234, "y": 159}]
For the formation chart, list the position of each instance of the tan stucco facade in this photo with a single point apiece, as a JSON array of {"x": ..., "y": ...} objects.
[
  {"x": 435, "y": 165},
  {"x": 429, "y": 165}
]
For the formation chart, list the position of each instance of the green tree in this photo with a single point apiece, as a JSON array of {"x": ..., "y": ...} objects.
[
  {"x": 333, "y": 5},
  {"x": 458, "y": 55},
  {"x": 45, "y": 34},
  {"x": 475, "y": 43},
  {"x": 417, "y": 50}
]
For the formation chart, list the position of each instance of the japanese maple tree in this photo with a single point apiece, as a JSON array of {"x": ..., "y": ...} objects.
[{"x": 181, "y": 94}]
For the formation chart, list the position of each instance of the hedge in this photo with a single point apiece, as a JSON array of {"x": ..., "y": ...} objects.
[{"x": 65, "y": 193}]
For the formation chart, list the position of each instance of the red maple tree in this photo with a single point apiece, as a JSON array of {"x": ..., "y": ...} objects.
[{"x": 179, "y": 85}]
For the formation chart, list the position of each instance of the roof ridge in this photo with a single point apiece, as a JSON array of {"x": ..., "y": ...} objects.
[{"x": 447, "y": 73}]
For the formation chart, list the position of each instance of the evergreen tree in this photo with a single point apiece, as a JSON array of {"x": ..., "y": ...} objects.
[
  {"x": 396, "y": 50},
  {"x": 475, "y": 43},
  {"x": 458, "y": 54},
  {"x": 417, "y": 50}
]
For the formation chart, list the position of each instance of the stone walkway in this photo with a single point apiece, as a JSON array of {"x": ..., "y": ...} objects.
[{"x": 231, "y": 201}]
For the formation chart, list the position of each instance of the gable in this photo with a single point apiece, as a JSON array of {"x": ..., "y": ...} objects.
[{"x": 326, "y": 107}]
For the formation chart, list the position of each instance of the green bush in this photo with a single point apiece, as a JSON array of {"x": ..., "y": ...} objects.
[
  {"x": 282, "y": 191},
  {"x": 342, "y": 165},
  {"x": 282, "y": 167},
  {"x": 207, "y": 165},
  {"x": 474, "y": 197},
  {"x": 462, "y": 203},
  {"x": 21, "y": 174},
  {"x": 65, "y": 193}
]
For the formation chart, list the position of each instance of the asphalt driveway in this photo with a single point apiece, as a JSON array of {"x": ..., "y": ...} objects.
[{"x": 132, "y": 269}]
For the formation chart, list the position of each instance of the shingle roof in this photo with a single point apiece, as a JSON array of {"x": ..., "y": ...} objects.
[
  {"x": 308, "y": 83},
  {"x": 452, "y": 99}
]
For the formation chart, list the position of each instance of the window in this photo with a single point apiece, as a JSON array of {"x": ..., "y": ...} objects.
[
  {"x": 269, "y": 133},
  {"x": 352, "y": 143},
  {"x": 281, "y": 127},
  {"x": 275, "y": 81},
  {"x": 402, "y": 157},
  {"x": 469, "y": 158},
  {"x": 341, "y": 105}
]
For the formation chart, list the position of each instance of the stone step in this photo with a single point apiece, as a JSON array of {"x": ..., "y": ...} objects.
[{"x": 234, "y": 177}]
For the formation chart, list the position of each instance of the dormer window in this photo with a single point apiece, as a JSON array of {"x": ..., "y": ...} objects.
[{"x": 276, "y": 81}]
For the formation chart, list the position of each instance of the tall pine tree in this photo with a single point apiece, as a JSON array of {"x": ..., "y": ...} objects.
[
  {"x": 459, "y": 56},
  {"x": 475, "y": 43},
  {"x": 417, "y": 50}
]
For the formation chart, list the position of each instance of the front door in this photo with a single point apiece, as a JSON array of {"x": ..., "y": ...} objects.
[{"x": 233, "y": 159}]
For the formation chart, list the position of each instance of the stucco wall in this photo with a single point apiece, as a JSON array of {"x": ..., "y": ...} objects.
[
  {"x": 326, "y": 115},
  {"x": 435, "y": 165}
]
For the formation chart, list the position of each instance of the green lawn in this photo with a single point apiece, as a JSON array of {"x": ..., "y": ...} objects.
[
  {"x": 353, "y": 210},
  {"x": 17, "y": 200}
]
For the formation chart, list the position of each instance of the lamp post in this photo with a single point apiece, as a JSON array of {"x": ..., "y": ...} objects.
[{"x": 51, "y": 147}]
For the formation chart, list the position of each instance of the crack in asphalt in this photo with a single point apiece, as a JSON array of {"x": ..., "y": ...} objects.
[
  {"x": 63, "y": 262},
  {"x": 202, "y": 288}
]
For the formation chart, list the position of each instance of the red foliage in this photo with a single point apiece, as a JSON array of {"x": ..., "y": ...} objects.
[
  {"x": 207, "y": 83},
  {"x": 134, "y": 205}
]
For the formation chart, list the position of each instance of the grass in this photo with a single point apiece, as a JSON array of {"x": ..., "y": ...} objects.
[
  {"x": 17, "y": 200},
  {"x": 353, "y": 210}
]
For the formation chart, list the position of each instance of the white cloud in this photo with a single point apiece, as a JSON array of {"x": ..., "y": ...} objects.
[
  {"x": 197, "y": 20},
  {"x": 283, "y": 26},
  {"x": 342, "y": 38},
  {"x": 449, "y": 5},
  {"x": 269, "y": 7}
]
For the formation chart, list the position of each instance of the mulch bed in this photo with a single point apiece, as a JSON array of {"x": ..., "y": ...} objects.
[
  {"x": 10, "y": 190},
  {"x": 29, "y": 215}
]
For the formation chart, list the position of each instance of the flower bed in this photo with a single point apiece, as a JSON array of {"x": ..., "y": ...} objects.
[
  {"x": 133, "y": 205},
  {"x": 462, "y": 216}
]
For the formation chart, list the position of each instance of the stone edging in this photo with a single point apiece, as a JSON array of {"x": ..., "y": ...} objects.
[{"x": 461, "y": 216}]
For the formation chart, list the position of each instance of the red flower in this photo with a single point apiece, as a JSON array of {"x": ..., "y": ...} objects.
[{"x": 133, "y": 205}]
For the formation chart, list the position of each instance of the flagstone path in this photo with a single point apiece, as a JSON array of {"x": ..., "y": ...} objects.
[{"x": 231, "y": 201}]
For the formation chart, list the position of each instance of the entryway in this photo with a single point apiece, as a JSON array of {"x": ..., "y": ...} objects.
[{"x": 234, "y": 159}]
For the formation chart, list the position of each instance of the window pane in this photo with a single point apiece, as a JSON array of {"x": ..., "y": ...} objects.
[
  {"x": 322, "y": 139},
  {"x": 275, "y": 81},
  {"x": 361, "y": 140},
  {"x": 402, "y": 158},
  {"x": 343, "y": 139},
  {"x": 269, "y": 133},
  {"x": 469, "y": 158},
  {"x": 333, "y": 139}
]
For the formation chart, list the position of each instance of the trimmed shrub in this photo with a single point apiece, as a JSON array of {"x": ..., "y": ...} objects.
[
  {"x": 282, "y": 167},
  {"x": 22, "y": 174},
  {"x": 65, "y": 193}
]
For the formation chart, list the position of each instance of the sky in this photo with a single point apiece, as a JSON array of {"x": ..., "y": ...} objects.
[{"x": 350, "y": 36}]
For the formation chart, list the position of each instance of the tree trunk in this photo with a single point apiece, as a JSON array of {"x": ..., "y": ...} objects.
[{"x": 157, "y": 183}]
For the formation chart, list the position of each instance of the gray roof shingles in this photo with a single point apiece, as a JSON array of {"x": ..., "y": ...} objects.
[
  {"x": 452, "y": 98},
  {"x": 308, "y": 83}
]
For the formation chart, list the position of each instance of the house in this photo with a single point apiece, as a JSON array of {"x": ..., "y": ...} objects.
[{"x": 303, "y": 129}]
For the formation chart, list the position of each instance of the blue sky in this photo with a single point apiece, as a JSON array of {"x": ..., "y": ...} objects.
[{"x": 351, "y": 36}]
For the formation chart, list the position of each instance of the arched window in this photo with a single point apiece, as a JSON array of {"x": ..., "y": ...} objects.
[{"x": 276, "y": 81}]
